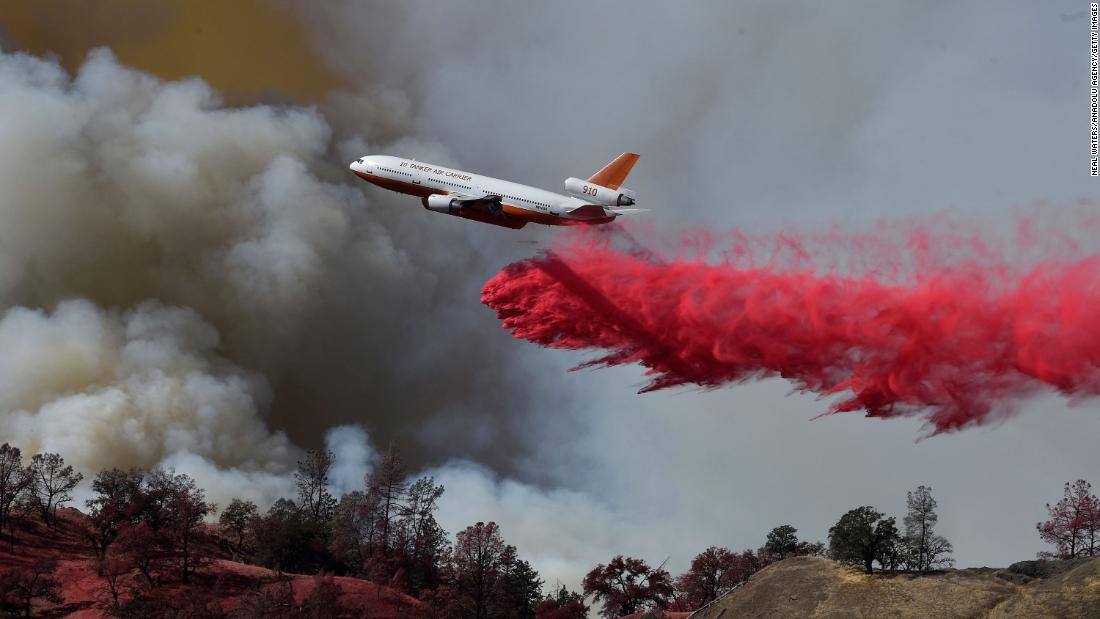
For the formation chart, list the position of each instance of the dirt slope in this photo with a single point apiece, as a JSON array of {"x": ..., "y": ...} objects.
[{"x": 819, "y": 588}]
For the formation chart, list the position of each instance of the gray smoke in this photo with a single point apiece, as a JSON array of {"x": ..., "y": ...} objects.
[
  {"x": 756, "y": 115},
  {"x": 183, "y": 286},
  {"x": 334, "y": 305}
]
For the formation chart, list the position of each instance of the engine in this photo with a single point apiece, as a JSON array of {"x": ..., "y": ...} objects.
[
  {"x": 442, "y": 203},
  {"x": 597, "y": 194}
]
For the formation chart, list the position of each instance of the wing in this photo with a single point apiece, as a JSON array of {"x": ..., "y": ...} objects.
[
  {"x": 486, "y": 204},
  {"x": 586, "y": 211}
]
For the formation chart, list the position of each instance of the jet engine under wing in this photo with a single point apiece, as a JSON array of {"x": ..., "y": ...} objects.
[
  {"x": 454, "y": 202},
  {"x": 487, "y": 204}
]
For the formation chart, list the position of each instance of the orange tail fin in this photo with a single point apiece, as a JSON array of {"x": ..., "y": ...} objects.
[{"x": 613, "y": 174}]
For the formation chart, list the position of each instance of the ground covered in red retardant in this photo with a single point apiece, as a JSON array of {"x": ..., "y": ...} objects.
[
  {"x": 226, "y": 583},
  {"x": 942, "y": 327}
]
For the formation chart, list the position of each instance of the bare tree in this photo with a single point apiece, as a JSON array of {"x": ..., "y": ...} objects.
[
  {"x": 312, "y": 481},
  {"x": 387, "y": 483},
  {"x": 925, "y": 550},
  {"x": 14, "y": 481},
  {"x": 52, "y": 484}
]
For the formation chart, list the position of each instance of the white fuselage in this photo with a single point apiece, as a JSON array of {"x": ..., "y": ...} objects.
[
  {"x": 474, "y": 196},
  {"x": 448, "y": 180}
]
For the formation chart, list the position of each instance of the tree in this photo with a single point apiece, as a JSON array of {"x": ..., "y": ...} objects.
[
  {"x": 782, "y": 541},
  {"x": 564, "y": 604},
  {"x": 138, "y": 546},
  {"x": 270, "y": 602},
  {"x": 352, "y": 537},
  {"x": 19, "y": 587},
  {"x": 155, "y": 518},
  {"x": 1074, "y": 524},
  {"x": 712, "y": 573},
  {"x": 236, "y": 518},
  {"x": 185, "y": 508},
  {"x": 924, "y": 549},
  {"x": 421, "y": 542},
  {"x": 626, "y": 585},
  {"x": 287, "y": 540},
  {"x": 386, "y": 484},
  {"x": 890, "y": 553},
  {"x": 118, "y": 502},
  {"x": 476, "y": 566},
  {"x": 115, "y": 566},
  {"x": 862, "y": 536},
  {"x": 391, "y": 530},
  {"x": 52, "y": 484},
  {"x": 324, "y": 601},
  {"x": 312, "y": 481},
  {"x": 14, "y": 481},
  {"x": 520, "y": 587}
]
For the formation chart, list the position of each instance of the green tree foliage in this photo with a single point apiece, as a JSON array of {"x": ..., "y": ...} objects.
[
  {"x": 235, "y": 520},
  {"x": 782, "y": 541},
  {"x": 924, "y": 549},
  {"x": 862, "y": 536}
]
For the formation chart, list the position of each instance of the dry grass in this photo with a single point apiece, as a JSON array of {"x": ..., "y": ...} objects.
[{"x": 819, "y": 588}]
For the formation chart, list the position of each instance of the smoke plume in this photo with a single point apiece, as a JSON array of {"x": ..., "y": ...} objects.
[
  {"x": 182, "y": 286},
  {"x": 958, "y": 342},
  {"x": 344, "y": 315}
]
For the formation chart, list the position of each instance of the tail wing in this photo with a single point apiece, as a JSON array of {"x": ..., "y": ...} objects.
[{"x": 613, "y": 174}]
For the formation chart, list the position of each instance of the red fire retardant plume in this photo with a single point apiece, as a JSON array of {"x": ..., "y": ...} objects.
[{"x": 959, "y": 346}]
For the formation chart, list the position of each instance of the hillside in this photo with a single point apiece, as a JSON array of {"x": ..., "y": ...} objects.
[
  {"x": 228, "y": 585},
  {"x": 820, "y": 588}
]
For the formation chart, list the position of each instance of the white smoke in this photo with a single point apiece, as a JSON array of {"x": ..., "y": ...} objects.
[
  {"x": 119, "y": 188},
  {"x": 148, "y": 235},
  {"x": 137, "y": 388},
  {"x": 181, "y": 286},
  {"x": 353, "y": 457}
]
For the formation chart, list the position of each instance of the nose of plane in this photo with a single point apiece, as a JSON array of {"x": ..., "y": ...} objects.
[{"x": 362, "y": 164}]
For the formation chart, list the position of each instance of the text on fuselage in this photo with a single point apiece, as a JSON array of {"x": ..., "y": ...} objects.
[{"x": 431, "y": 170}]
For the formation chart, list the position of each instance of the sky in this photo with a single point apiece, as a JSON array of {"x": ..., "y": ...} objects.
[{"x": 179, "y": 213}]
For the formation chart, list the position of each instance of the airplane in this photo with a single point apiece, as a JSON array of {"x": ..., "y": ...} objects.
[{"x": 598, "y": 200}]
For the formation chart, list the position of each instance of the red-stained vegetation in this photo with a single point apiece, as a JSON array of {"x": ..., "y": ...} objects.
[{"x": 146, "y": 545}]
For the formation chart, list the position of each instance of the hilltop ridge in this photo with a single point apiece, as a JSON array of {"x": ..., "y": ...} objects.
[{"x": 815, "y": 587}]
